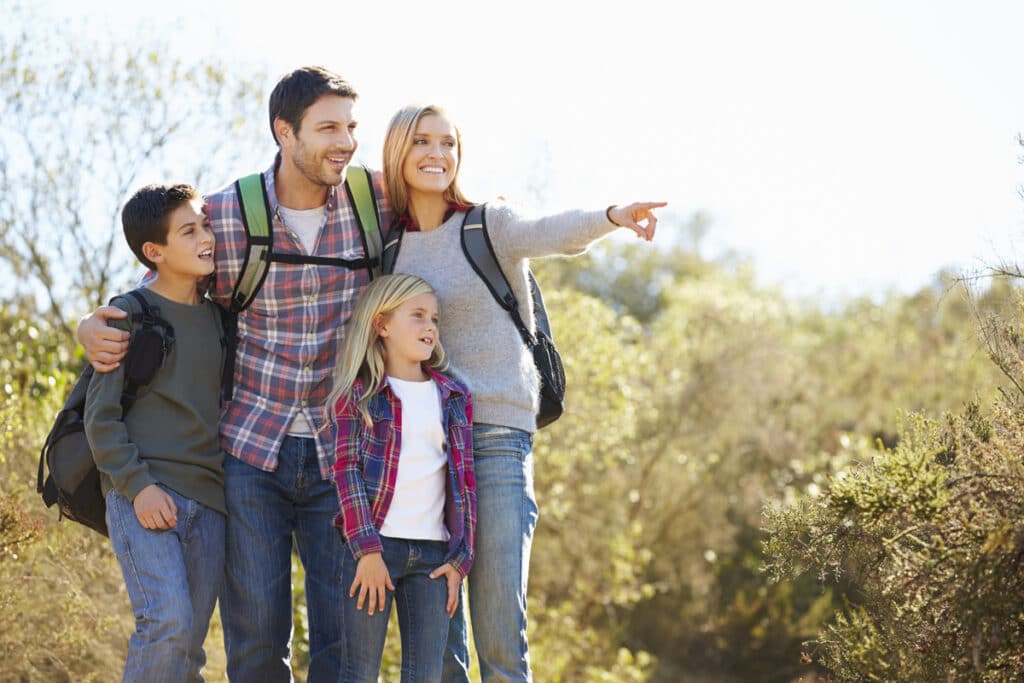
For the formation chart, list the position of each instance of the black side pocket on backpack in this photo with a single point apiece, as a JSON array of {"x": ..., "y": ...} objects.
[{"x": 145, "y": 356}]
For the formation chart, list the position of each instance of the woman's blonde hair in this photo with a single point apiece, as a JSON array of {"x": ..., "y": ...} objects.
[
  {"x": 398, "y": 142},
  {"x": 362, "y": 353}
]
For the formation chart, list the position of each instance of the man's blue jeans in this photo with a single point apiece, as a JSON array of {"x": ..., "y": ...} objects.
[
  {"x": 173, "y": 577},
  {"x": 265, "y": 511},
  {"x": 422, "y": 619},
  {"x": 506, "y": 518}
]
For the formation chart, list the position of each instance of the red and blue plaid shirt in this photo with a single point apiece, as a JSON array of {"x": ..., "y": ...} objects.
[
  {"x": 366, "y": 468},
  {"x": 289, "y": 337}
]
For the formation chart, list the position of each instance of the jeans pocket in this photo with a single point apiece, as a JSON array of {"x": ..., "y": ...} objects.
[{"x": 495, "y": 440}]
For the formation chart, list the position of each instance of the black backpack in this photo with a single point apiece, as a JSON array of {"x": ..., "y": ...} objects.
[
  {"x": 476, "y": 245},
  {"x": 73, "y": 483}
]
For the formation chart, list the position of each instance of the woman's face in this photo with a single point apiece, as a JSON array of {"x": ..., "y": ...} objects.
[{"x": 433, "y": 159}]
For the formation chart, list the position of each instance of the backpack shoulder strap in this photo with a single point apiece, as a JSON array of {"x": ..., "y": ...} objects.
[
  {"x": 259, "y": 239},
  {"x": 359, "y": 185},
  {"x": 476, "y": 245},
  {"x": 392, "y": 244},
  {"x": 229, "y": 343},
  {"x": 142, "y": 316}
]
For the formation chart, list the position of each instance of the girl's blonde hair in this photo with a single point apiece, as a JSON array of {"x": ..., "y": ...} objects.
[
  {"x": 398, "y": 142},
  {"x": 362, "y": 353}
]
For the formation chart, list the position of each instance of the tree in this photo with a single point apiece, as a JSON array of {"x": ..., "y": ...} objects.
[{"x": 83, "y": 122}]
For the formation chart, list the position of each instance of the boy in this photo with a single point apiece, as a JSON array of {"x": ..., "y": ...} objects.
[{"x": 161, "y": 464}]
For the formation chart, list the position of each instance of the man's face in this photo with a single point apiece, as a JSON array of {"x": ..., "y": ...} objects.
[{"x": 325, "y": 142}]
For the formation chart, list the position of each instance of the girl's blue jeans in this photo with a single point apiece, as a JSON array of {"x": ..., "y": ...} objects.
[
  {"x": 422, "y": 619},
  {"x": 173, "y": 577},
  {"x": 506, "y": 518}
]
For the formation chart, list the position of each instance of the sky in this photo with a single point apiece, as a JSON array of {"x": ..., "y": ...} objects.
[{"x": 844, "y": 148}]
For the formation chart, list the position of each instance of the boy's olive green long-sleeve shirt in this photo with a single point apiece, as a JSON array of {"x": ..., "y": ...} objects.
[{"x": 170, "y": 436}]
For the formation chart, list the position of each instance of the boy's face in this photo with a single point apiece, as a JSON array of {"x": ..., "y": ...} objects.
[
  {"x": 190, "y": 242},
  {"x": 326, "y": 141}
]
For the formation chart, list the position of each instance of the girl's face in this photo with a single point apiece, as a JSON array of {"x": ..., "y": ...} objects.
[
  {"x": 409, "y": 334},
  {"x": 430, "y": 165}
]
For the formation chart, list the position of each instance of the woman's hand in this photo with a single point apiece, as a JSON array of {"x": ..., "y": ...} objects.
[
  {"x": 454, "y": 580},
  {"x": 638, "y": 217},
  {"x": 372, "y": 578},
  {"x": 105, "y": 346}
]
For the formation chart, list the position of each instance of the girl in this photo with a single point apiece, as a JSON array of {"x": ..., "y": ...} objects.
[
  {"x": 422, "y": 149},
  {"x": 404, "y": 474}
]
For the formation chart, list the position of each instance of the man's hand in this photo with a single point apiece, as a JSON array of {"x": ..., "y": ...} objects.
[
  {"x": 155, "y": 509},
  {"x": 638, "y": 217},
  {"x": 454, "y": 580},
  {"x": 105, "y": 346},
  {"x": 372, "y": 578}
]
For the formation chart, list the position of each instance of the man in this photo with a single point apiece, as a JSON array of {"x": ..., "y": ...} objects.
[{"x": 276, "y": 430}]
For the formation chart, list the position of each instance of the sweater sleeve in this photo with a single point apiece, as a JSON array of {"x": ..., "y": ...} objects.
[
  {"x": 112, "y": 448},
  {"x": 569, "y": 233}
]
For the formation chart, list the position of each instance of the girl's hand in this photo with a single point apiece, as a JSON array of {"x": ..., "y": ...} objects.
[
  {"x": 372, "y": 578},
  {"x": 638, "y": 217},
  {"x": 454, "y": 579},
  {"x": 155, "y": 509}
]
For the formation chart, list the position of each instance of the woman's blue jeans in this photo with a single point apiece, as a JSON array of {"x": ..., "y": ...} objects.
[
  {"x": 173, "y": 577},
  {"x": 422, "y": 619},
  {"x": 506, "y": 518}
]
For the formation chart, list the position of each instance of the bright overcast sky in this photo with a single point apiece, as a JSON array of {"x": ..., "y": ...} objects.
[{"x": 845, "y": 147}]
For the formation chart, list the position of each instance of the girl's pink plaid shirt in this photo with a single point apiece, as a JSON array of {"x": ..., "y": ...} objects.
[{"x": 366, "y": 466}]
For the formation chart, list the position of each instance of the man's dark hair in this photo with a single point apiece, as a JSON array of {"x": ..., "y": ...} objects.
[
  {"x": 145, "y": 216},
  {"x": 296, "y": 91}
]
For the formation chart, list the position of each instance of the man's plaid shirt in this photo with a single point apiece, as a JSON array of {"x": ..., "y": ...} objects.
[
  {"x": 367, "y": 468},
  {"x": 288, "y": 338}
]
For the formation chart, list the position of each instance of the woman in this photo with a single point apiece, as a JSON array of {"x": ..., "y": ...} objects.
[{"x": 421, "y": 163}]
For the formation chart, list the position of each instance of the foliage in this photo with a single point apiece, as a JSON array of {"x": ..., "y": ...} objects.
[
  {"x": 732, "y": 396},
  {"x": 84, "y": 122},
  {"x": 931, "y": 533}
]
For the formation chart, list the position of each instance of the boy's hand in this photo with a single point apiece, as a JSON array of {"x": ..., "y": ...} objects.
[
  {"x": 105, "y": 346},
  {"x": 454, "y": 579},
  {"x": 155, "y": 509},
  {"x": 372, "y": 578}
]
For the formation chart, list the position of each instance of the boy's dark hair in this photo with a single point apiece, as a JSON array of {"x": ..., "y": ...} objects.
[
  {"x": 144, "y": 216},
  {"x": 296, "y": 91}
]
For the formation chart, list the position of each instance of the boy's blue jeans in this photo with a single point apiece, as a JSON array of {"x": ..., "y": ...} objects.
[
  {"x": 506, "y": 518},
  {"x": 265, "y": 511},
  {"x": 173, "y": 577},
  {"x": 422, "y": 619}
]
